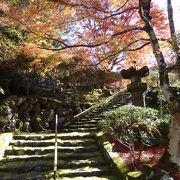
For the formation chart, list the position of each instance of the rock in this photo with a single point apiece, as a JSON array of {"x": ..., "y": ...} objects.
[
  {"x": 24, "y": 110},
  {"x": 35, "y": 111},
  {"x": 5, "y": 115},
  {"x": 53, "y": 104},
  {"x": 26, "y": 127},
  {"x": 32, "y": 100},
  {"x": 47, "y": 116},
  {"x": 12, "y": 101},
  {"x": 37, "y": 125},
  {"x": 3, "y": 122},
  {"x": 42, "y": 100},
  {"x": 19, "y": 125},
  {"x": 20, "y": 100}
]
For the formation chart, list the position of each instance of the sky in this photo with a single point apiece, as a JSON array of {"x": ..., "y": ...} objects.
[{"x": 176, "y": 10}]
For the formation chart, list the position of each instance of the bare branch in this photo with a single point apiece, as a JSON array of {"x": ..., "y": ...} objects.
[
  {"x": 66, "y": 46},
  {"x": 121, "y": 6},
  {"x": 126, "y": 49},
  {"x": 126, "y": 31},
  {"x": 119, "y": 13},
  {"x": 140, "y": 47},
  {"x": 86, "y": 6}
]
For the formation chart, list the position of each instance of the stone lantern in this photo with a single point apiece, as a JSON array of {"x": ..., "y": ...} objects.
[{"x": 136, "y": 87}]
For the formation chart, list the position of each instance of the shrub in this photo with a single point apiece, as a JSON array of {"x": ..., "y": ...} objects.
[
  {"x": 133, "y": 124},
  {"x": 156, "y": 100}
]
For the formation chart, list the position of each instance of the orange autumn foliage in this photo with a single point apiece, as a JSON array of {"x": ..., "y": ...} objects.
[{"x": 100, "y": 32}]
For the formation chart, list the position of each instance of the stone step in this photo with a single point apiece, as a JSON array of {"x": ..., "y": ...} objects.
[
  {"x": 70, "y": 135},
  {"x": 48, "y": 165},
  {"x": 86, "y": 171},
  {"x": 95, "y": 118},
  {"x": 31, "y": 156},
  {"x": 88, "y": 122},
  {"x": 68, "y": 142},
  {"x": 70, "y": 173},
  {"x": 11, "y": 150},
  {"x": 50, "y": 156},
  {"x": 82, "y": 125},
  {"x": 77, "y": 135},
  {"x": 79, "y": 130},
  {"x": 90, "y": 178}
]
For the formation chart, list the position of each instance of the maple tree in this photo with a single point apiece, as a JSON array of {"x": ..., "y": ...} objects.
[
  {"x": 109, "y": 34},
  {"x": 106, "y": 32}
]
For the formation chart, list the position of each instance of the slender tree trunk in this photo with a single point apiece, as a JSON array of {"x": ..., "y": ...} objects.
[
  {"x": 174, "y": 103},
  {"x": 174, "y": 136},
  {"x": 174, "y": 42},
  {"x": 174, "y": 130}
]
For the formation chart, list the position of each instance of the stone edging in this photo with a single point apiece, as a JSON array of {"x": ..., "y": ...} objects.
[
  {"x": 119, "y": 166},
  {"x": 5, "y": 139},
  {"x": 111, "y": 156}
]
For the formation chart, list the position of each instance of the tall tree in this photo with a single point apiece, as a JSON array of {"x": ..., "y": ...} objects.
[
  {"x": 174, "y": 103},
  {"x": 174, "y": 40}
]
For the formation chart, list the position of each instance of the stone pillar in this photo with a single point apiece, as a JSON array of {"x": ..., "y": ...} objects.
[
  {"x": 136, "y": 87},
  {"x": 137, "y": 91}
]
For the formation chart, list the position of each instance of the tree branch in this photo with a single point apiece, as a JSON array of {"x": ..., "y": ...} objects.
[
  {"x": 63, "y": 2},
  {"x": 119, "y": 13},
  {"x": 126, "y": 31},
  {"x": 140, "y": 47},
  {"x": 121, "y": 6},
  {"x": 66, "y": 46}
]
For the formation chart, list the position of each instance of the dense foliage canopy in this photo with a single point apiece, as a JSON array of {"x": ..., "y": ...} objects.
[{"x": 109, "y": 34}]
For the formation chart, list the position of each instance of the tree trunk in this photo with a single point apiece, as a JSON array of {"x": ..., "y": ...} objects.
[
  {"x": 174, "y": 129},
  {"x": 174, "y": 42},
  {"x": 174, "y": 103},
  {"x": 174, "y": 136}
]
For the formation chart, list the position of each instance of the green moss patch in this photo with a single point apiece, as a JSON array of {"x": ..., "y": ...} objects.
[
  {"x": 111, "y": 156},
  {"x": 135, "y": 175}
]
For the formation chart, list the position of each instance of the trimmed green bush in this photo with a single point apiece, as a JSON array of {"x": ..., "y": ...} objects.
[{"x": 133, "y": 124}]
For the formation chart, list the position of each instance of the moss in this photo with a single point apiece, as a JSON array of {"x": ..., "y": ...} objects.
[
  {"x": 121, "y": 165},
  {"x": 18, "y": 132},
  {"x": 108, "y": 146},
  {"x": 113, "y": 157},
  {"x": 135, "y": 175}
]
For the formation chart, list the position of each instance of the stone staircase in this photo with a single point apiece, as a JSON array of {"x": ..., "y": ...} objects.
[{"x": 31, "y": 155}]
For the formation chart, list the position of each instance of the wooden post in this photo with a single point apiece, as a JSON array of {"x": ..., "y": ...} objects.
[{"x": 55, "y": 148}]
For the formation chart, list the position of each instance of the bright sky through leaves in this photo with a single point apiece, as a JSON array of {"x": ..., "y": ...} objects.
[{"x": 176, "y": 10}]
